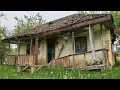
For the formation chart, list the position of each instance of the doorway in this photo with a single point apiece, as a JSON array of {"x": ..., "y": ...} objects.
[
  {"x": 28, "y": 49},
  {"x": 50, "y": 49}
]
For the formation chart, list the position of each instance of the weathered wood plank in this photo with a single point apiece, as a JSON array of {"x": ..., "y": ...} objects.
[
  {"x": 25, "y": 68},
  {"x": 18, "y": 47},
  {"x": 11, "y": 59},
  {"x": 73, "y": 47},
  {"x": 60, "y": 50},
  {"x": 31, "y": 42},
  {"x": 36, "y": 48},
  {"x": 102, "y": 41},
  {"x": 25, "y": 59},
  {"x": 92, "y": 44},
  {"x": 93, "y": 67}
]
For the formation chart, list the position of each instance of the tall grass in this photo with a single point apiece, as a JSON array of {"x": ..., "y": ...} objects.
[{"x": 9, "y": 72}]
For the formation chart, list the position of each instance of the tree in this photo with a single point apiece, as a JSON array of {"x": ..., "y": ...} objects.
[
  {"x": 27, "y": 23},
  {"x": 4, "y": 49},
  {"x": 3, "y": 46}
]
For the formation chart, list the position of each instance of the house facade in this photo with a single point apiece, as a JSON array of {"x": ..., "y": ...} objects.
[{"x": 71, "y": 41}]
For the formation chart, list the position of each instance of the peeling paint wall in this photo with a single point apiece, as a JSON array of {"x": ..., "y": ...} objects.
[
  {"x": 67, "y": 48},
  {"x": 23, "y": 48},
  {"x": 107, "y": 45},
  {"x": 42, "y": 57},
  {"x": 79, "y": 59}
]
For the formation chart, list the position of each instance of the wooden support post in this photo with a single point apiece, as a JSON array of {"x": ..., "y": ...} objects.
[
  {"x": 92, "y": 44},
  {"x": 36, "y": 48},
  {"x": 18, "y": 50},
  {"x": 32, "y": 69},
  {"x": 101, "y": 28},
  {"x": 73, "y": 46},
  {"x": 18, "y": 69},
  {"x": 31, "y": 45},
  {"x": 60, "y": 50},
  {"x": 18, "y": 47}
]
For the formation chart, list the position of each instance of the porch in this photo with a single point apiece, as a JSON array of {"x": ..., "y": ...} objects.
[{"x": 71, "y": 61}]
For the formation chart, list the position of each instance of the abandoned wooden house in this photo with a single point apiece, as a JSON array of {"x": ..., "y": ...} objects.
[{"x": 73, "y": 41}]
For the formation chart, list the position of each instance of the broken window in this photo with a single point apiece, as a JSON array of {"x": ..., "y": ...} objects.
[{"x": 80, "y": 44}]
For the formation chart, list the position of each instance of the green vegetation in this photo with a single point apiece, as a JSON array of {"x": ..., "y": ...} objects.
[
  {"x": 10, "y": 72},
  {"x": 27, "y": 23},
  {"x": 4, "y": 49}
]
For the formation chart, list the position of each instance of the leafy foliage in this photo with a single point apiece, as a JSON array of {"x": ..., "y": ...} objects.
[
  {"x": 4, "y": 49},
  {"x": 28, "y": 23},
  {"x": 116, "y": 17},
  {"x": 3, "y": 46}
]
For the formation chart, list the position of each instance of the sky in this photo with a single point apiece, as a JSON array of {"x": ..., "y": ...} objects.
[{"x": 46, "y": 15}]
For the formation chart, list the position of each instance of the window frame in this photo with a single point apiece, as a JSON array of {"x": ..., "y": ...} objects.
[{"x": 84, "y": 38}]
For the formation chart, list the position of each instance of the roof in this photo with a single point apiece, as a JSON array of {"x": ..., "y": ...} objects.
[{"x": 68, "y": 21}]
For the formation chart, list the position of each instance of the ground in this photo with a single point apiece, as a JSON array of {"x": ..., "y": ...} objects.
[{"x": 10, "y": 72}]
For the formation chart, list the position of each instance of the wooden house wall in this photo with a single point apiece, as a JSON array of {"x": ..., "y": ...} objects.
[
  {"x": 42, "y": 57},
  {"x": 107, "y": 45},
  {"x": 67, "y": 50},
  {"x": 23, "y": 48}
]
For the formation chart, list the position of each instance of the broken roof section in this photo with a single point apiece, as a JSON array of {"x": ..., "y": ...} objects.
[{"x": 67, "y": 23}]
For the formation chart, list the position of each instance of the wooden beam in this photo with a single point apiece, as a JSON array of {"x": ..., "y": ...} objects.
[
  {"x": 31, "y": 42},
  {"x": 73, "y": 47},
  {"x": 101, "y": 28},
  {"x": 60, "y": 50},
  {"x": 25, "y": 68},
  {"x": 18, "y": 47},
  {"x": 36, "y": 48},
  {"x": 92, "y": 44}
]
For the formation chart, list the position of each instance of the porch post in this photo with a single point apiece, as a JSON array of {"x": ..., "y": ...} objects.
[
  {"x": 36, "y": 48},
  {"x": 92, "y": 44},
  {"x": 73, "y": 44},
  {"x": 31, "y": 40},
  {"x": 18, "y": 47},
  {"x": 101, "y": 28}
]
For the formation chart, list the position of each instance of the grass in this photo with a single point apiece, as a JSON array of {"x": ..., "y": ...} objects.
[{"x": 10, "y": 72}]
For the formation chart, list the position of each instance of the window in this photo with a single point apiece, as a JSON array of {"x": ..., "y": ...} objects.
[{"x": 80, "y": 44}]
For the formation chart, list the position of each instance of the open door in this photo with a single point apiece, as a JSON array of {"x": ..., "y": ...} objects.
[{"x": 50, "y": 49}]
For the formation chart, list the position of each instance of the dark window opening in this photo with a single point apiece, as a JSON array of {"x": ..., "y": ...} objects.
[
  {"x": 51, "y": 49},
  {"x": 28, "y": 48},
  {"x": 80, "y": 44}
]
